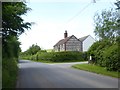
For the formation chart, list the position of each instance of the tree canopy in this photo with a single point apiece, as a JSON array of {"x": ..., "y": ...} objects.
[
  {"x": 12, "y": 26},
  {"x": 32, "y": 49},
  {"x": 12, "y": 23},
  {"x": 106, "y": 24},
  {"x": 107, "y": 29}
]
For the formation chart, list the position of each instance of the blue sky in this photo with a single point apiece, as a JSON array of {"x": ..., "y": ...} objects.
[{"x": 53, "y": 17}]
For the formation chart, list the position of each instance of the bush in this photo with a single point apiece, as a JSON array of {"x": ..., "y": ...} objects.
[
  {"x": 68, "y": 56},
  {"x": 106, "y": 54},
  {"x": 9, "y": 72},
  {"x": 111, "y": 58}
]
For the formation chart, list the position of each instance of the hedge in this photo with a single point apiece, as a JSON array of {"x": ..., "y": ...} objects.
[
  {"x": 67, "y": 56},
  {"x": 105, "y": 54},
  {"x": 9, "y": 72}
]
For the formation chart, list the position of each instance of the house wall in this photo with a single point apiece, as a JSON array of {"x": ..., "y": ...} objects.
[
  {"x": 59, "y": 48},
  {"x": 73, "y": 44},
  {"x": 56, "y": 48},
  {"x": 87, "y": 43},
  {"x": 62, "y": 47}
]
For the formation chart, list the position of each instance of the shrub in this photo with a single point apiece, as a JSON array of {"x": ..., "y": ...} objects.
[
  {"x": 111, "y": 58},
  {"x": 9, "y": 72},
  {"x": 106, "y": 54},
  {"x": 67, "y": 56}
]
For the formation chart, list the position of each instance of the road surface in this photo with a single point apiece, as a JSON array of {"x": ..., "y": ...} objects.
[{"x": 41, "y": 75}]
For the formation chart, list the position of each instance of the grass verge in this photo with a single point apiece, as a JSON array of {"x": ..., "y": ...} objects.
[{"x": 97, "y": 69}]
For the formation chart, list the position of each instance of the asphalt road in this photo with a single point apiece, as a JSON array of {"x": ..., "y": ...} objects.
[{"x": 40, "y": 75}]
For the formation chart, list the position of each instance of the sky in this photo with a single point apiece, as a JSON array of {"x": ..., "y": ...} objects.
[{"x": 53, "y": 17}]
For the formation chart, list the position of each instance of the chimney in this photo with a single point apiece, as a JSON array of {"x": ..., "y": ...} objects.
[{"x": 65, "y": 34}]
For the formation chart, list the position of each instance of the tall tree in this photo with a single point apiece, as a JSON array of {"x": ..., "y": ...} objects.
[
  {"x": 12, "y": 23},
  {"x": 106, "y": 24},
  {"x": 33, "y": 49},
  {"x": 118, "y": 4},
  {"x": 118, "y": 9},
  {"x": 12, "y": 26}
]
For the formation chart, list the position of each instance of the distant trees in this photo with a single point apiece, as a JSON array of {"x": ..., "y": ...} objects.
[{"x": 32, "y": 50}]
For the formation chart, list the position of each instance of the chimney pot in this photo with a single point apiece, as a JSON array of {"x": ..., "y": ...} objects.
[{"x": 65, "y": 34}]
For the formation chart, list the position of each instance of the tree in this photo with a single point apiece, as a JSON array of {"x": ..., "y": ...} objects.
[
  {"x": 118, "y": 8},
  {"x": 106, "y": 25},
  {"x": 12, "y": 26},
  {"x": 12, "y": 23},
  {"x": 107, "y": 28},
  {"x": 118, "y": 4},
  {"x": 33, "y": 49}
]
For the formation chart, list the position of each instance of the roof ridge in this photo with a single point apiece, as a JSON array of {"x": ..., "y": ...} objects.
[
  {"x": 62, "y": 41},
  {"x": 83, "y": 38}
]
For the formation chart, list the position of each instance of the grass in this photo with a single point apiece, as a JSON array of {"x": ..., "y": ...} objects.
[
  {"x": 49, "y": 50},
  {"x": 97, "y": 69}
]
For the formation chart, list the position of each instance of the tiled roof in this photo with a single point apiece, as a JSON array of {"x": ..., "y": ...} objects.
[
  {"x": 62, "y": 41},
  {"x": 83, "y": 38}
]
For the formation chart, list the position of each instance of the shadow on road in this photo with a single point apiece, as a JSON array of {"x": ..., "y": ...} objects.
[{"x": 24, "y": 61}]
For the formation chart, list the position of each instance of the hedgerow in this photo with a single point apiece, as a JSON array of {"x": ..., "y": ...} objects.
[
  {"x": 67, "y": 56},
  {"x": 105, "y": 54}
]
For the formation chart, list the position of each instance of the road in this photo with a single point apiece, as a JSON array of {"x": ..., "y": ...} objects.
[{"x": 41, "y": 75}]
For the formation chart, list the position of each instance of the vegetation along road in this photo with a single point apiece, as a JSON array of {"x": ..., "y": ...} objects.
[{"x": 41, "y": 75}]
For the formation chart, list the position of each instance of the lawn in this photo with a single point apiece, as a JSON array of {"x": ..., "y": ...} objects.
[{"x": 96, "y": 69}]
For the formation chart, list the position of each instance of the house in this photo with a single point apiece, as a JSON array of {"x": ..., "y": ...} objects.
[
  {"x": 72, "y": 43},
  {"x": 86, "y": 42}
]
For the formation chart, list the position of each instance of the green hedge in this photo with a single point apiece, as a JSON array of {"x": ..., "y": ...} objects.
[
  {"x": 67, "y": 56},
  {"x": 9, "y": 73},
  {"x": 105, "y": 54},
  {"x": 110, "y": 56}
]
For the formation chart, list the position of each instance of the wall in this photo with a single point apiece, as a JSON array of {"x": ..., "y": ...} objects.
[
  {"x": 87, "y": 43},
  {"x": 73, "y": 44}
]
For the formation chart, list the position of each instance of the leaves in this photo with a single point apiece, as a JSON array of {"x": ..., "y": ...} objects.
[
  {"x": 12, "y": 22},
  {"x": 12, "y": 26},
  {"x": 106, "y": 24}
]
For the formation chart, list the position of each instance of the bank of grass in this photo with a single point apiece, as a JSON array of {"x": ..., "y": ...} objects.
[{"x": 97, "y": 69}]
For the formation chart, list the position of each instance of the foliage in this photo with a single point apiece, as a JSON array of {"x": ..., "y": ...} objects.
[
  {"x": 11, "y": 47},
  {"x": 106, "y": 54},
  {"x": 106, "y": 24},
  {"x": 118, "y": 4},
  {"x": 110, "y": 56},
  {"x": 9, "y": 72},
  {"x": 32, "y": 50},
  {"x": 67, "y": 56},
  {"x": 12, "y": 23},
  {"x": 96, "y": 69},
  {"x": 12, "y": 26}
]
